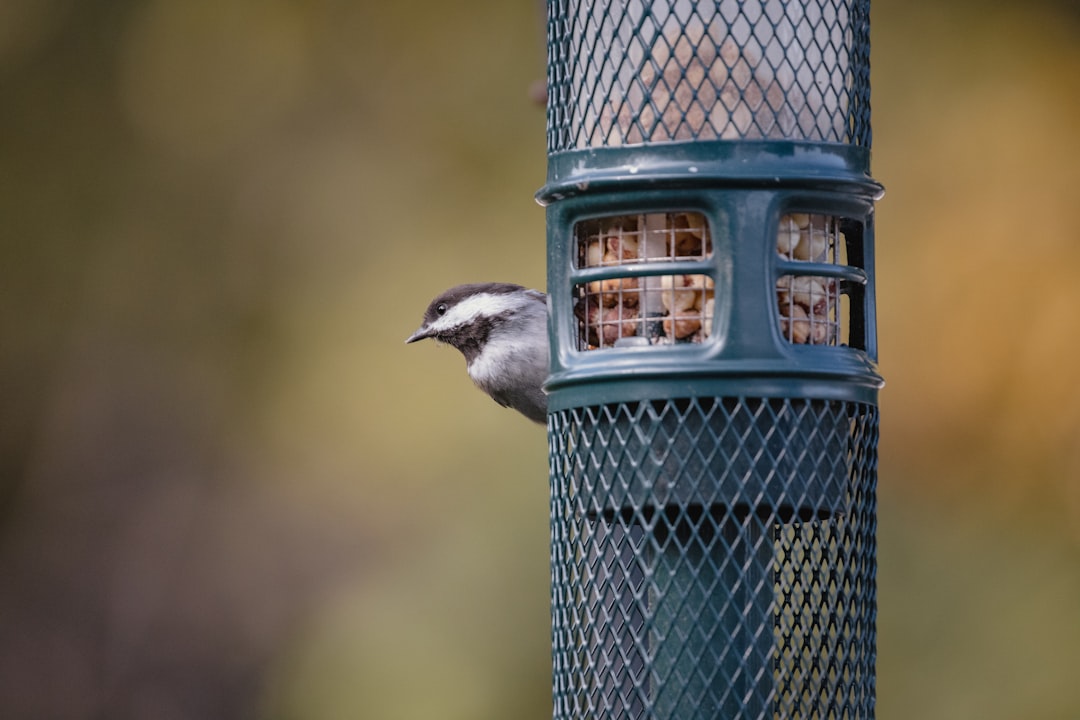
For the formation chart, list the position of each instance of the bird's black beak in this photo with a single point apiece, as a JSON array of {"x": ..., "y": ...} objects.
[{"x": 420, "y": 334}]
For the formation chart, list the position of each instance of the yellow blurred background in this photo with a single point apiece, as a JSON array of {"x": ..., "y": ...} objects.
[{"x": 229, "y": 490}]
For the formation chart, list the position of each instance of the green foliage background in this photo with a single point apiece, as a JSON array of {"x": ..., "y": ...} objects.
[{"x": 229, "y": 490}]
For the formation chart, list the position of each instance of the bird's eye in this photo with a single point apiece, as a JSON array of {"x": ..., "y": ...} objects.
[{"x": 441, "y": 308}]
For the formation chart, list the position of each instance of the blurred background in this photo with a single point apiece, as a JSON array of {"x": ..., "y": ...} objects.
[{"x": 229, "y": 490}]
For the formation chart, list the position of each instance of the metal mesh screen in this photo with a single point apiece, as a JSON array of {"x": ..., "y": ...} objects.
[
  {"x": 625, "y": 72},
  {"x": 714, "y": 558}
]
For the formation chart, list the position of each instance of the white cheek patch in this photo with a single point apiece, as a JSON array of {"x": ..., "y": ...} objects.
[{"x": 466, "y": 311}]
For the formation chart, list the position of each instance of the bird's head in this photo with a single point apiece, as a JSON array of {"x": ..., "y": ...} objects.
[{"x": 466, "y": 316}]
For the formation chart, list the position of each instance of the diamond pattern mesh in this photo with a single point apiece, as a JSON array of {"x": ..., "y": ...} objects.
[
  {"x": 714, "y": 558},
  {"x": 623, "y": 72}
]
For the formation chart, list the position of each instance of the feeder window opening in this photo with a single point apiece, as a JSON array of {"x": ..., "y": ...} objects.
[
  {"x": 812, "y": 308},
  {"x": 640, "y": 306}
]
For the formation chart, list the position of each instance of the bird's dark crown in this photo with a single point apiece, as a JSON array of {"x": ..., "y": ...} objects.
[{"x": 454, "y": 295}]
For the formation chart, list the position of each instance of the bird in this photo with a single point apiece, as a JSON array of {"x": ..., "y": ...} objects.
[{"x": 502, "y": 330}]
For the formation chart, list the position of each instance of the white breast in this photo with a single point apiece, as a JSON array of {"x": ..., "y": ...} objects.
[{"x": 513, "y": 365}]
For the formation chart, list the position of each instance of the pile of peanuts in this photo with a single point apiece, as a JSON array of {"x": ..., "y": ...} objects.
[
  {"x": 617, "y": 314},
  {"x": 808, "y": 304},
  {"x": 704, "y": 87},
  {"x": 619, "y": 307},
  {"x": 680, "y": 308}
]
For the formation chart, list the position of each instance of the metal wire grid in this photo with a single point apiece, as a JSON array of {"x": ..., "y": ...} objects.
[
  {"x": 643, "y": 309},
  {"x": 626, "y": 72},
  {"x": 714, "y": 558},
  {"x": 631, "y": 309},
  {"x": 812, "y": 309},
  {"x": 652, "y": 237}
]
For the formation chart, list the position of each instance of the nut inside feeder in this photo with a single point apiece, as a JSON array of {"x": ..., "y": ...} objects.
[{"x": 643, "y": 309}]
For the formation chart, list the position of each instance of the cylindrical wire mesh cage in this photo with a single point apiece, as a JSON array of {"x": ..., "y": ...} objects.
[
  {"x": 631, "y": 71},
  {"x": 713, "y": 397},
  {"x": 739, "y": 590}
]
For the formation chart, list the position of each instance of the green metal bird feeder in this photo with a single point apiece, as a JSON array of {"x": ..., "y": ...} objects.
[{"x": 713, "y": 414}]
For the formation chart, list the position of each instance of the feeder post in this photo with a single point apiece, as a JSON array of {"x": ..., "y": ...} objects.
[{"x": 713, "y": 416}]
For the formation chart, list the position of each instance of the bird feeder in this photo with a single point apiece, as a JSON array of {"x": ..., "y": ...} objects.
[{"x": 713, "y": 414}]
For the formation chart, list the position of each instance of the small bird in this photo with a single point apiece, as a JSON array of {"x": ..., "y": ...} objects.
[{"x": 501, "y": 329}]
